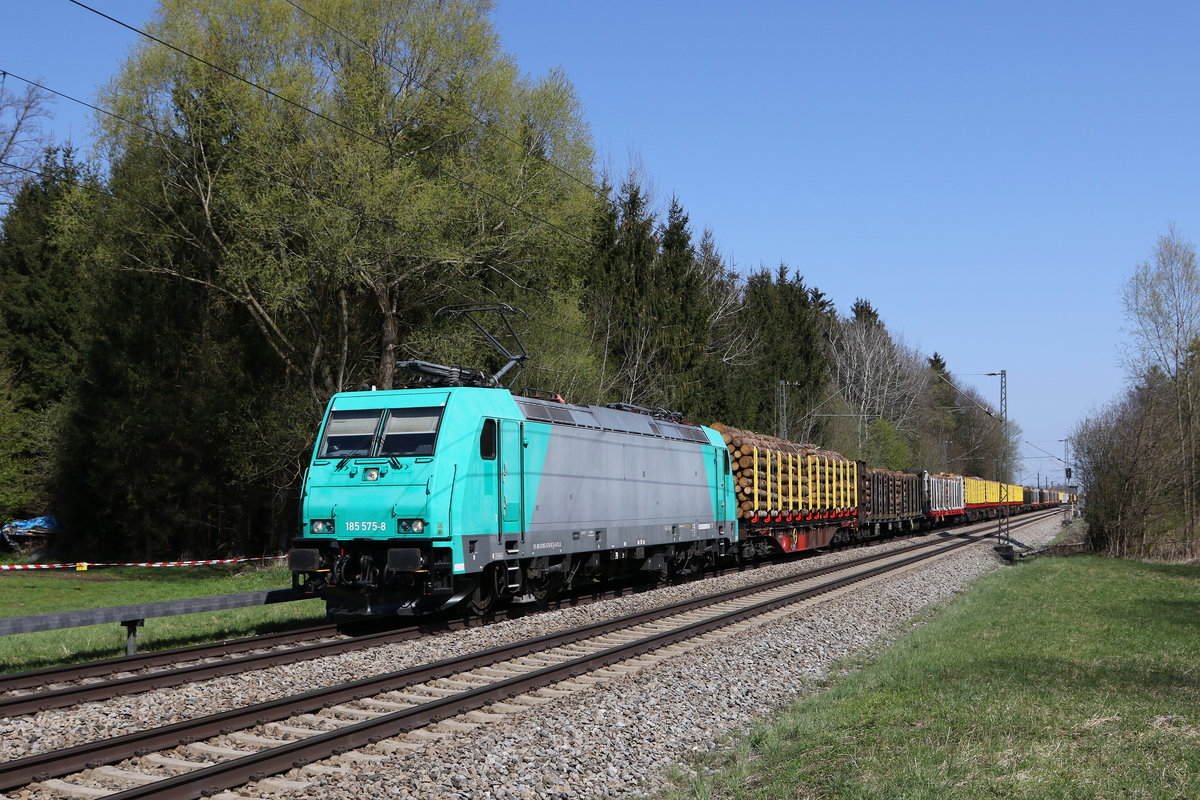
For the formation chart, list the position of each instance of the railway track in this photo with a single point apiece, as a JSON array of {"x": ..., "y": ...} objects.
[
  {"x": 40, "y": 678},
  {"x": 197, "y": 666},
  {"x": 206, "y": 755},
  {"x": 72, "y": 684},
  {"x": 69, "y": 685}
]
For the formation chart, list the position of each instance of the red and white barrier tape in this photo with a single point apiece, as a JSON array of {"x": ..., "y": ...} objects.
[{"x": 83, "y": 565}]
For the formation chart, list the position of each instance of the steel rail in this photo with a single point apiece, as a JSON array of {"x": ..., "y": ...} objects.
[
  {"x": 158, "y": 658},
  {"x": 87, "y": 692},
  {"x": 132, "y": 684},
  {"x": 62, "y": 762}
]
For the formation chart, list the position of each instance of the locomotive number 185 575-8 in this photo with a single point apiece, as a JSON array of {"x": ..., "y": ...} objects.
[{"x": 366, "y": 526}]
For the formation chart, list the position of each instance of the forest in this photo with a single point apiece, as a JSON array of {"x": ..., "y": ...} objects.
[{"x": 275, "y": 209}]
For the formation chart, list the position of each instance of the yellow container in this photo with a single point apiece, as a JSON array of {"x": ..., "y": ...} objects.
[{"x": 981, "y": 492}]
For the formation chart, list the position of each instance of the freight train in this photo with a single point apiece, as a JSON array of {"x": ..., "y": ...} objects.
[{"x": 460, "y": 493}]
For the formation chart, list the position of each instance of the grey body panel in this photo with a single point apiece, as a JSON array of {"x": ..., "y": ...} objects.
[
  {"x": 595, "y": 478},
  {"x": 618, "y": 485}
]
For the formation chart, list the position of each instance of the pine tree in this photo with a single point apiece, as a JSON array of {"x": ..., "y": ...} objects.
[
  {"x": 622, "y": 296},
  {"x": 43, "y": 289},
  {"x": 45, "y": 324},
  {"x": 788, "y": 325}
]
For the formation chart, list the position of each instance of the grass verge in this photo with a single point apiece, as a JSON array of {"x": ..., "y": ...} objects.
[
  {"x": 1061, "y": 678},
  {"x": 40, "y": 592}
]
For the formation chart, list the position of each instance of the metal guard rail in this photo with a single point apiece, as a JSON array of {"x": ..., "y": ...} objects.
[{"x": 134, "y": 616}]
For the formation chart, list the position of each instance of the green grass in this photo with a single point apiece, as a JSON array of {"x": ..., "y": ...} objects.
[
  {"x": 1060, "y": 678},
  {"x": 39, "y": 592}
]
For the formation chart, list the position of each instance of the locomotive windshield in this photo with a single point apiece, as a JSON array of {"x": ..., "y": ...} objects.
[
  {"x": 393, "y": 432},
  {"x": 350, "y": 434},
  {"x": 410, "y": 432}
]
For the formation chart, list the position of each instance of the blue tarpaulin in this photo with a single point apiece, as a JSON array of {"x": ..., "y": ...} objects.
[
  {"x": 44, "y": 523},
  {"x": 11, "y": 534}
]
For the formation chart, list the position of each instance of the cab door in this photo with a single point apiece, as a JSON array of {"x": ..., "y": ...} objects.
[
  {"x": 721, "y": 469},
  {"x": 512, "y": 474},
  {"x": 489, "y": 514}
]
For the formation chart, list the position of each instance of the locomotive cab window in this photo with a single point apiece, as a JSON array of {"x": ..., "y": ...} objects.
[
  {"x": 487, "y": 440},
  {"x": 358, "y": 434},
  {"x": 409, "y": 432},
  {"x": 350, "y": 434}
]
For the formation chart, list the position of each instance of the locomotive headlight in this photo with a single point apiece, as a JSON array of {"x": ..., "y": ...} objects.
[
  {"x": 371, "y": 474},
  {"x": 410, "y": 525},
  {"x": 321, "y": 526}
]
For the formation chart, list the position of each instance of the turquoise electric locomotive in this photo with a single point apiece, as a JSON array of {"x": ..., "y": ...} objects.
[{"x": 420, "y": 499}]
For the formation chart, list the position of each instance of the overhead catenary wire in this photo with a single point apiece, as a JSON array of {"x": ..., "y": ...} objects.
[
  {"x": 78, "y": 185},
  {"x": 812, "y": 411},
  {"x": 4, "y": 73},
  {"x": 557, "y": 329},
  {"x": 967, "y": 395},
  {"x": 168, "y": 135},
  {"x": 340, "y": 125},
  {"x": 1047, "y": 452},
  {"x": 124, "y": 199},
  {"x": 114, "y": 196}
]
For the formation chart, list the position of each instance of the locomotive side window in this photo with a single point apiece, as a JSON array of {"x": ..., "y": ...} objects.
[
  {"x": 726, "y": 454},
  {"x": 410, "y": 432},
  {"x": 487, "y": 440},
  {"x": 350, "y": 434}
]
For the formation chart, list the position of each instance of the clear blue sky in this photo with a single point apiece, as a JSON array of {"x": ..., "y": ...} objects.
[{"x": 987, "y": 174}]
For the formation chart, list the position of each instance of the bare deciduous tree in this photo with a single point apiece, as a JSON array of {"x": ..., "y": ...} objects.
[
  {"x": 730, "y": 341},
  {"x": 879, "y": 376},
  {"x": 22, "y": 138},
  {"x": 1132, "y": 490},
  {"x": 1162, "y": 304}
]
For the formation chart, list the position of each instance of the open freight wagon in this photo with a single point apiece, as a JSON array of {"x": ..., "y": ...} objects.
[
  {"x": 794, "y": 496},
  {"x": 789, "y": 496},
  {"x": 894, "y": 501}
]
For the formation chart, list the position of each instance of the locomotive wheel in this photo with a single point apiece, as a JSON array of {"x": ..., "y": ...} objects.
[
  {"x": 481, "y": 600},
  {"x": 545, "y": 592},
  {"x": 486, "y": 593},
  {"x": 543, "y": 583}
]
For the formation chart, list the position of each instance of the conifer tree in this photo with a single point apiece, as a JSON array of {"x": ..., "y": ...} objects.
[
  {"x": 46, "y": 312},
  {"x": 43, "y": 289}
]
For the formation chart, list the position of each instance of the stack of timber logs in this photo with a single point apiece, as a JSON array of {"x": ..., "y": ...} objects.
[{"x": 776, "y": 479}]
